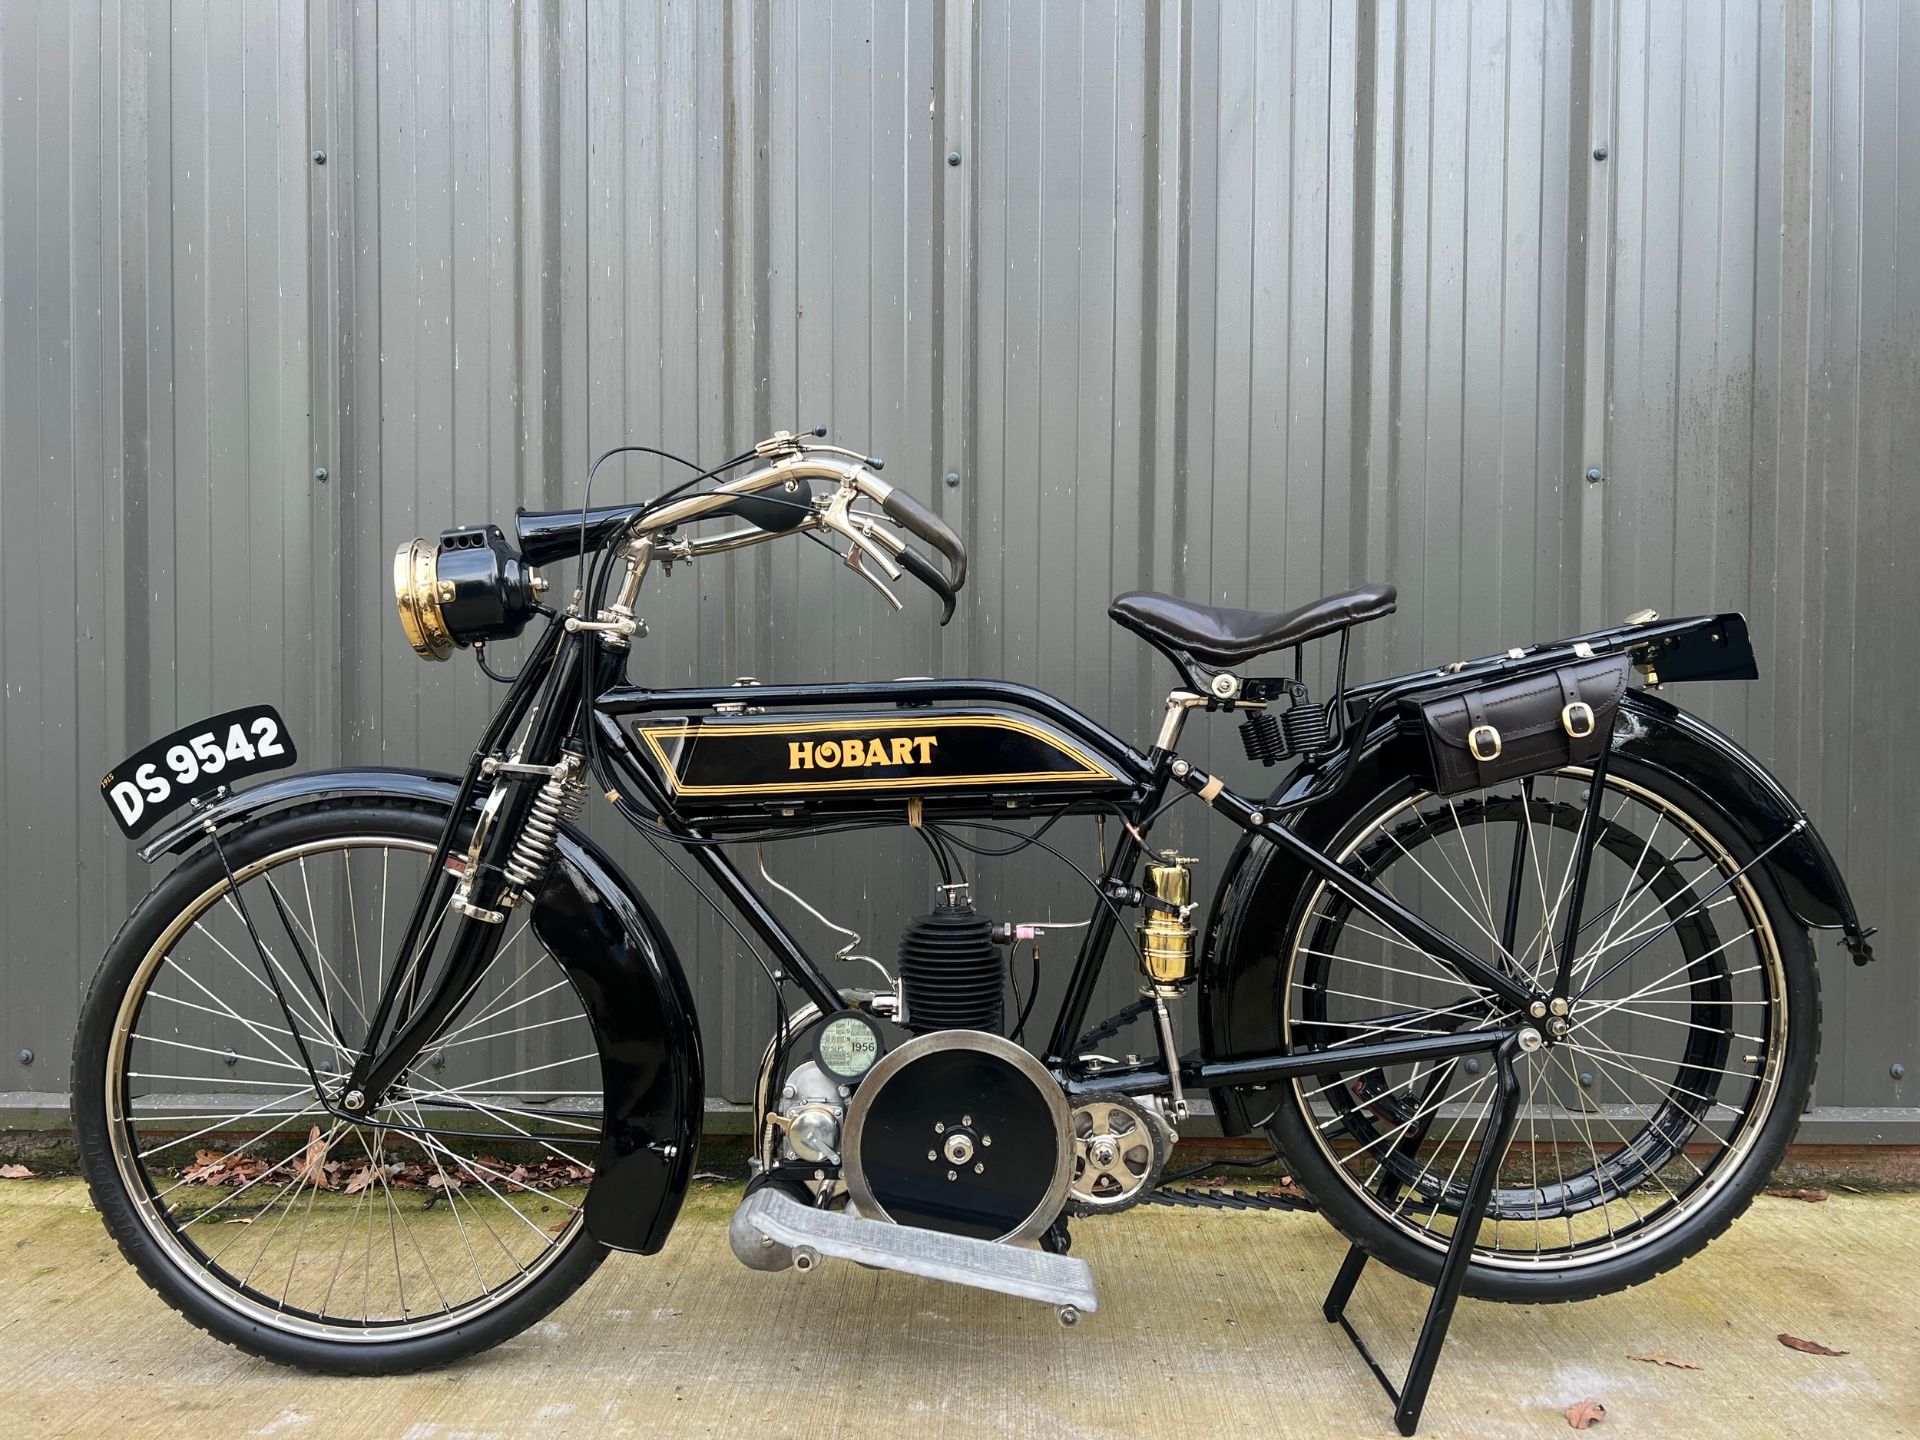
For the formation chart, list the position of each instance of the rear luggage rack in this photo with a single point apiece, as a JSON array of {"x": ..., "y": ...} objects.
[{"x": 1696, "y": 647}]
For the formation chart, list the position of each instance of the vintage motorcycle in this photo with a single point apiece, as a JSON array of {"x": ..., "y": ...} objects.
[{"x": 1514, "y": 967}]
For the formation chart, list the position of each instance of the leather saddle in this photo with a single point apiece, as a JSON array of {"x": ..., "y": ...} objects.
[{"x": 1220, "y": 637}]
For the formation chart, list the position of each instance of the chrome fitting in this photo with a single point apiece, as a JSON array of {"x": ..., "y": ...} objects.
[{"x": 1178, "y": 703}]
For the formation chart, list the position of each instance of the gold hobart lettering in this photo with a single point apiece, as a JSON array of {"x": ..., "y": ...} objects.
[{"x": 858, "y": 753}]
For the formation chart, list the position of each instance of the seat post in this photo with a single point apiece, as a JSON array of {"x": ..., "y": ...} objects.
[{"x": 1179, "y": 702}]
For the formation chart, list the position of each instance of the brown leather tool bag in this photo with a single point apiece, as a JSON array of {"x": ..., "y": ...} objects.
[{"x": 1523, "y": 726}]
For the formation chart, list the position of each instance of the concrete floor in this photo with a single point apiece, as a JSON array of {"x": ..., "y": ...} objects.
[{"x": 1208, "y": 1324}]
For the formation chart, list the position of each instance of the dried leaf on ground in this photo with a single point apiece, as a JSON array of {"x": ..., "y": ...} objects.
[
  {"x": 206, "y": 1165},
  {"x": 310, "y": 1165},
  {"x": 1807, "y": 1347},
  {"x": 1794, "y": 1192},
  {"x": 1583, "y": 1413},
  {"x": 311, "y": 1168},
  {"x": 1660, "y": 1357},
  {"x": 17, "y": 1172},
  {"x": 214, "y": 1167}
]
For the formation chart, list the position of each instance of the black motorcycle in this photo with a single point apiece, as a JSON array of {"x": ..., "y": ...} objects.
[{"x": 1514, "y": 967}]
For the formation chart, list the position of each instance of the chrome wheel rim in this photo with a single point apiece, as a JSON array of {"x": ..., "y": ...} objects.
[
  {"x": 406, "y": 1224},
  {"x": 1631, "y": 1124}
]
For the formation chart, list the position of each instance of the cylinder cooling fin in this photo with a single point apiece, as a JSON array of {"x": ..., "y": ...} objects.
[{"x": 950, "y": 969}]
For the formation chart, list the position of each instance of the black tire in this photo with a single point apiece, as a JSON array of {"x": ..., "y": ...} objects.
[
  {"x": 1323, "y": 1134},
  {"x": 124, "y": 1190}
]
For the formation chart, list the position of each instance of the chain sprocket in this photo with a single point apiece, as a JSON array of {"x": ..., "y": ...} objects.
[{"x": 1120, "y": 1148}]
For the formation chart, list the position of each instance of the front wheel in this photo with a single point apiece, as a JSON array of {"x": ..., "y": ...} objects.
[
  {"x": 1645, "y": 1129},
  {"x": 446, "y": 1221}
]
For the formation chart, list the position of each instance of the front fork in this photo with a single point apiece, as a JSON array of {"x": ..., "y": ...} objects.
[
  {"x": 475, "y": 944},
  {"x": 503, "y": 870}
]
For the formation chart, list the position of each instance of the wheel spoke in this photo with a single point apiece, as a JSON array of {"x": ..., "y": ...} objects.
[
  {"x": 1350, "y": 979},
  {"x": 439, "y": 1228},
  {"x": 1452, "y": 899}
]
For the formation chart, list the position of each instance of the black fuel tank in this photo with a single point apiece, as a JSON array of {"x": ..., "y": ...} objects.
[{"x": 800, "y": 766}]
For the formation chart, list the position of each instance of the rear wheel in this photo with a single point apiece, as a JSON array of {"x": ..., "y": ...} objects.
[
  {"x": 445, "y": 1222},
  {"x": 1645, "y": 1129}
]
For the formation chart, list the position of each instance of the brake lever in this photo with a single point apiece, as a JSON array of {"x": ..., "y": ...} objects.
[
  {"x": 853, "y": 564},
  {"x": 837, "y": 517},
  {"x": 878, "y": 528}
]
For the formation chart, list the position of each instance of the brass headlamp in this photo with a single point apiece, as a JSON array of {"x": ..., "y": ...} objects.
[{"x": 467, "y": 587}]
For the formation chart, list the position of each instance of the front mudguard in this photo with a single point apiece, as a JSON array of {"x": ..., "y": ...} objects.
[
  {"x": 604, "y": 934},
  {"x": 1241, "y": 962}
]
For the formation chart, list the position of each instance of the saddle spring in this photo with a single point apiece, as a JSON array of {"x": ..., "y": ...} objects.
[{"x": 1302, "y": 729}]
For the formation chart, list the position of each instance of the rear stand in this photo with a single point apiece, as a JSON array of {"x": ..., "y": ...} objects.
[{"x": 1411, "y": 1396}]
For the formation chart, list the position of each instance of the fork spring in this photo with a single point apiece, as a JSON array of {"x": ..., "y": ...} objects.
[{"x": 560, "y": 799}]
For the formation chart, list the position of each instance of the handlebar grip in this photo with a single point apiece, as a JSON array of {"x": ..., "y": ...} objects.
[
  {"x": 932, "y": 529},
  {"x": 928, "y": 574}
]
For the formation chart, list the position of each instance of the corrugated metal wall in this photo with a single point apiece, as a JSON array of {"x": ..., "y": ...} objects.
[{"x": 1244, "y": 301}]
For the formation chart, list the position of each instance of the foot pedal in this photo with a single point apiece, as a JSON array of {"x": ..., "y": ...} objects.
[{"x": 1057, "y": 1280}]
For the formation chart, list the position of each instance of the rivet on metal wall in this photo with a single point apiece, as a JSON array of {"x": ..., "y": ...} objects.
[
  {"x": 1594, "y": 476},
  {"x": 26, "y": 1057},
  {"x": 1897, "y": 1070},
  {"x": 320, "y": 473},
  {"x": 953, "y": 157},
  {"x": 1599, "y": 152},
  {"x": 953, "y": 479}
]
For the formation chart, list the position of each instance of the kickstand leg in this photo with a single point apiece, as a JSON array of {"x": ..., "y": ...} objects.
[{"x": 1411, "y": 1395}]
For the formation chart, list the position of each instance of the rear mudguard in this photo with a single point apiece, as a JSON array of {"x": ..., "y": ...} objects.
[
  {"x": 1240, "y": 965},
  {"x": 607, "y": 938}
]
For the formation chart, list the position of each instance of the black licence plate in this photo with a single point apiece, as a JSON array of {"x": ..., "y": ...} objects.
[{"x": 193, "y": 762}]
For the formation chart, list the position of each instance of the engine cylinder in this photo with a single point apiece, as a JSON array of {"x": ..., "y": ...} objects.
[{"x": 950, "y": 970}]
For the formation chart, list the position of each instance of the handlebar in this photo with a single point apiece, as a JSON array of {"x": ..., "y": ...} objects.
[
  {"x": 928, "y": 574},
  {"x": 930, "y": 528},
  {"x": 768, "y": 494},
  {"x": 777, "y": 498}
]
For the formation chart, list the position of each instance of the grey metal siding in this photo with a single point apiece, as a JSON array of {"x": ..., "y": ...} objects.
[{"x": 1246, "y": 301}]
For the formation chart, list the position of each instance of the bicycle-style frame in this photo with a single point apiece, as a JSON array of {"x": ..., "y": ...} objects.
[{"x": 1148, "y": 775}]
